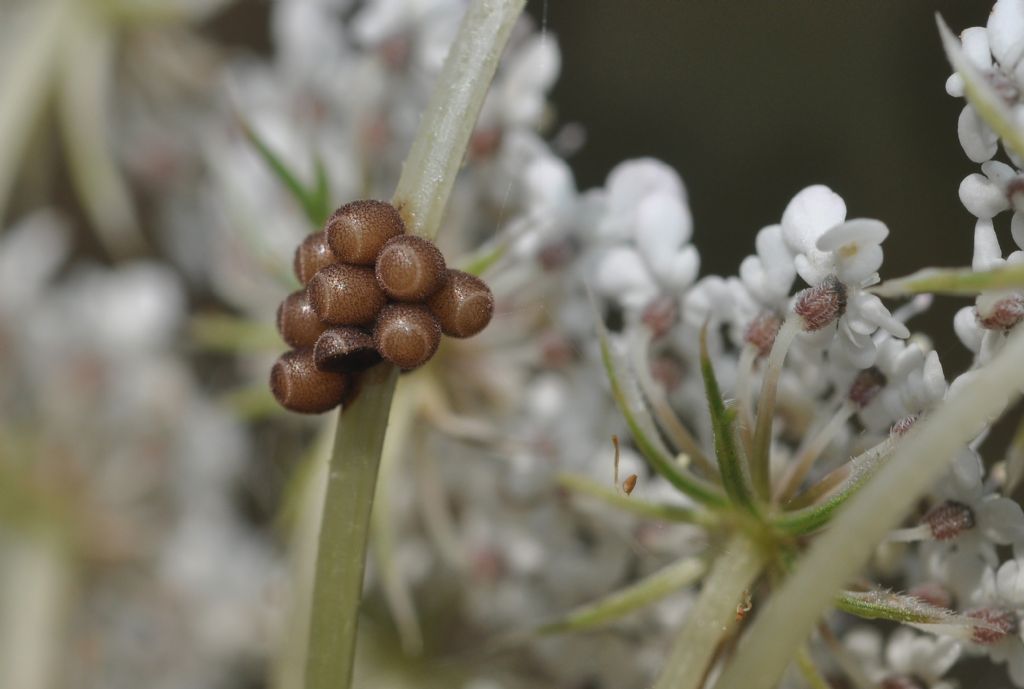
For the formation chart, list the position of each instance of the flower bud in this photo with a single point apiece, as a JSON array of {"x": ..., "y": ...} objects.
[
  {"x": 346, "y": 295},
  {"x": 998, "y": 624},
  {"x": 297, "y": 322},
  {"x": 1001, "y": 314},
  {"x": 463, "y": 306},
  {"x": 949, "y": 520},
  {"x": 409, "y": 268},
  {"x": 866, "y": 386},
  {"x": 821, "y": 305},
  {"x": 312, "y": 255},
  {"x": 345, "y": 349},
  {"x": 299, "y": 386},
  {"x": 407, "y": 335},
  {"x": 762, "y": 331},
  {"x": 357, "y": 231}
]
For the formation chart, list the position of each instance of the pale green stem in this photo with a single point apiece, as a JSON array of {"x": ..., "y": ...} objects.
[
  {"x": 620, "y": 603},
  {"x": 809, "y": 670},
  {"x": 448, "y": 121},
  {"x": 760, "y": 469},
  {"x": 341, "y": 553},
  {"x": 836, "y": 557},
  {"x": 422, "y": 194},
  {"x": 302, "y": 504},
  {"x": 679, "y": 436},
  {"x": 807, "y": 454},
  {"x": 84, "y": 92},
  {"x": 35, "y": 571},
  {"x": 713, "y": 616},
  {"x": 744, "y": 379},
  {"x": 30, "y": 48},
  {"x": 641, "y": 508}
]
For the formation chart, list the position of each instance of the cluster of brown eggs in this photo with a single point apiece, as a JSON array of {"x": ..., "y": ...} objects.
[{"x": 370, "y": 292}]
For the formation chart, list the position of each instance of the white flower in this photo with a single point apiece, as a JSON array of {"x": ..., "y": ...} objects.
[
  {"x": 646, "y": 216},
  {"x": 768, "y": 275},
  {"x": 907, "y": 655},
  {"x": 814, "y": 229},
  {"x": 999, "y": 189},
  {"x": 1002, "y": 599}
]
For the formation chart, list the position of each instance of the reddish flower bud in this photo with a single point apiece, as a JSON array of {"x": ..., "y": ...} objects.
[
  {"x": 409, "y": 268},
  {"x": 345, "y": 349},
  {"x": 762, "y": 331},
  {"x": 312, "y": 255},
  {"x": 298, "y": 385},
  {"x": 407, "y": 335},
  {"x": 297, "y": 321},
  {"x": 949, "y": 520},
  {"x": 1003, "y": 314},
  {"x": 822, "y": 305},
  {"x": 998, "y": 624},
  {"x": 866, "y": 386},
  {"x": 346, "y": 295},
  {"x": 357, "y": 231},
  {"x": 464, "y": 304}
]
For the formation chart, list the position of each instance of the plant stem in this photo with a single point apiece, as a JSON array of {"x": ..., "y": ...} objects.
[
  {"x": 713, "y": 616},
  {"x": 341, "y": 554},
  {"x": 448, "y": 122},
  {"x": 422, "y": 195},
  {"x": 760, "y": 469},
  {"x": 919, "y": 459}
]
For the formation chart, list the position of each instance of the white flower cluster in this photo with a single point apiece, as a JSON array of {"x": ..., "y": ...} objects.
[{"x": 482, "y": 513}]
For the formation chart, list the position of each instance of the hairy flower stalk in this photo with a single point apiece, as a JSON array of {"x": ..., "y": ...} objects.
[{"x": 421, "y": 196}]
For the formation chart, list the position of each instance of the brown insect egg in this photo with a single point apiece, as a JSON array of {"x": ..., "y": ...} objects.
[
  {"x": 312, "y": 255},
  {"x": 346, "y": 295},
  {"x": 406, "y": 335},
  {"x": 297, "y": 322},
  {"x": 464, "y": 304},
  {"x": 300, "y": 386},
  {"x": 409, "y": 268},
  {"x": 357, "y": 231},
  {"x": 345, "y": 348}
]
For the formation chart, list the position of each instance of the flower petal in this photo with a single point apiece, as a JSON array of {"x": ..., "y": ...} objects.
[{"x": 809, "y": 215}]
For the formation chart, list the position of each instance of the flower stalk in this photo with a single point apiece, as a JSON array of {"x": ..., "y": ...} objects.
[
  {"x": 714, "y": 616},
  {"x": 421, "y": 195}
]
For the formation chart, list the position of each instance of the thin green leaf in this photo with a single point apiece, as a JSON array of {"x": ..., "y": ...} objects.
[
  {"x": 980, "y": 93},
  {"x": 620, "y": 603},
  {"x": 641, "y": 508},
  {"x": 953, "y": 281},
  {"x": 732, "y": 463},
  {"x": 645, "y": 436},
  {"x": 895, "y": 607},
  {"x": 808, "y": 519},
  {"x": 310, "y": 199}
]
